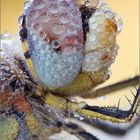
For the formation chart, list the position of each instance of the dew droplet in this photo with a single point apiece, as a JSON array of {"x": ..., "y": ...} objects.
[
  {"x": 94, "y": 3},
  {"x": 99, "y": 3},
  {"x": 27, "y": 4},
  {"x": 55, "y": 44},
  {"x": 37, "y": 27},
  {"x": 39, "y": 4},
  {"x": 119, "y": 22},
  {"x": 30, "y": 1},
  {"x": 34, "y": 37},
  {"x": 104, "y": 6},
  {"x": 72, "y": 30},
  {"x": 81, "y": 118},
  {"x": 53, "y": 8},
  {"x": 33, "y": 14},
  {"x": 47, "y": 39},
  {"x": 110, "y": 14},
  {"x": 65, "y": 18},
  {"x": 20, "y": 20},
  {"x": 94, "y": 26},
  {"x": 7, "y": 68},
  {"x": 43, "y": 34},
  {"x": 2, "y": 78},
  {"x": 64, "y": 4},
  {"x": 45, "y": 17},
  {"x": 58, "y": 28}
]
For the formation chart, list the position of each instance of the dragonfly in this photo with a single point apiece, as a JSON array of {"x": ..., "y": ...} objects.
[{"x": 66, "y": 50}]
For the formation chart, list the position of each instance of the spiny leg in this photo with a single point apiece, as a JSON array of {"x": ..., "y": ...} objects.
[
  {"x": 116, "y": 115},
  {"x": 113, "y": 114},
  {"x": 104, "y": 113},
  {"x": 116, "y": 129}
]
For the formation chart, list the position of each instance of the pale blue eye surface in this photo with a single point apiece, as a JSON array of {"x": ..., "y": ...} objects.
[{"x": 55, "y": 69}]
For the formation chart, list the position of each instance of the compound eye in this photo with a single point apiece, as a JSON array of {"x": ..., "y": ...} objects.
[{"x": 55, "y": 44}]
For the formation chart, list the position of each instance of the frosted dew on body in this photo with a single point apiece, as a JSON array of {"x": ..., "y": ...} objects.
[{"x": 100, "y": 46}]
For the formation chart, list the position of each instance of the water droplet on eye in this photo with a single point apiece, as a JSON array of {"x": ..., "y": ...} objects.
[
  {"x": 94, "y": 3},
  {"x": 94, "y": 26},
  {"x": 33, "y": 14},
  {"x": 27, "y": 4},
  {"x": 45, "y": 17},
  {"x": 72, "y": 30},
  {"x": 34, "y": 37},
  {"x": 43, "y": 34},
  {"x": 58, "y": 28},
  {"x": 55, "y": 44},
  {"x": 20, "y": 20},
  {"x": 63, "y": 5},
  {"x": 30, "y": 1},
  {"x": 110, "y": 14},
  {"x": 65, "y": 18},
  {"x": 53, "y": 8},
  {"x": 99, "y": 3},
  {"x": 39, "y": 4},
  {"x": 119, "y": 22},
  {"x": 37, "y": 27},
  {"x": 71, "y": 59},
  {"x": 55, "y": 17},
  {"x": 104, "y": 6}
]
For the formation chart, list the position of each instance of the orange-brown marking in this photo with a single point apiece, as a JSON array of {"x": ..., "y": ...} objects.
[{"x": 21, "y": 104}]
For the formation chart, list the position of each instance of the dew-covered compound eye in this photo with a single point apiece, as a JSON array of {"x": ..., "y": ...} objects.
[
  {"x": 83, "y": 33},
  {"x": 55, "y": 44},
  {"x": 49, "y": 25}
]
